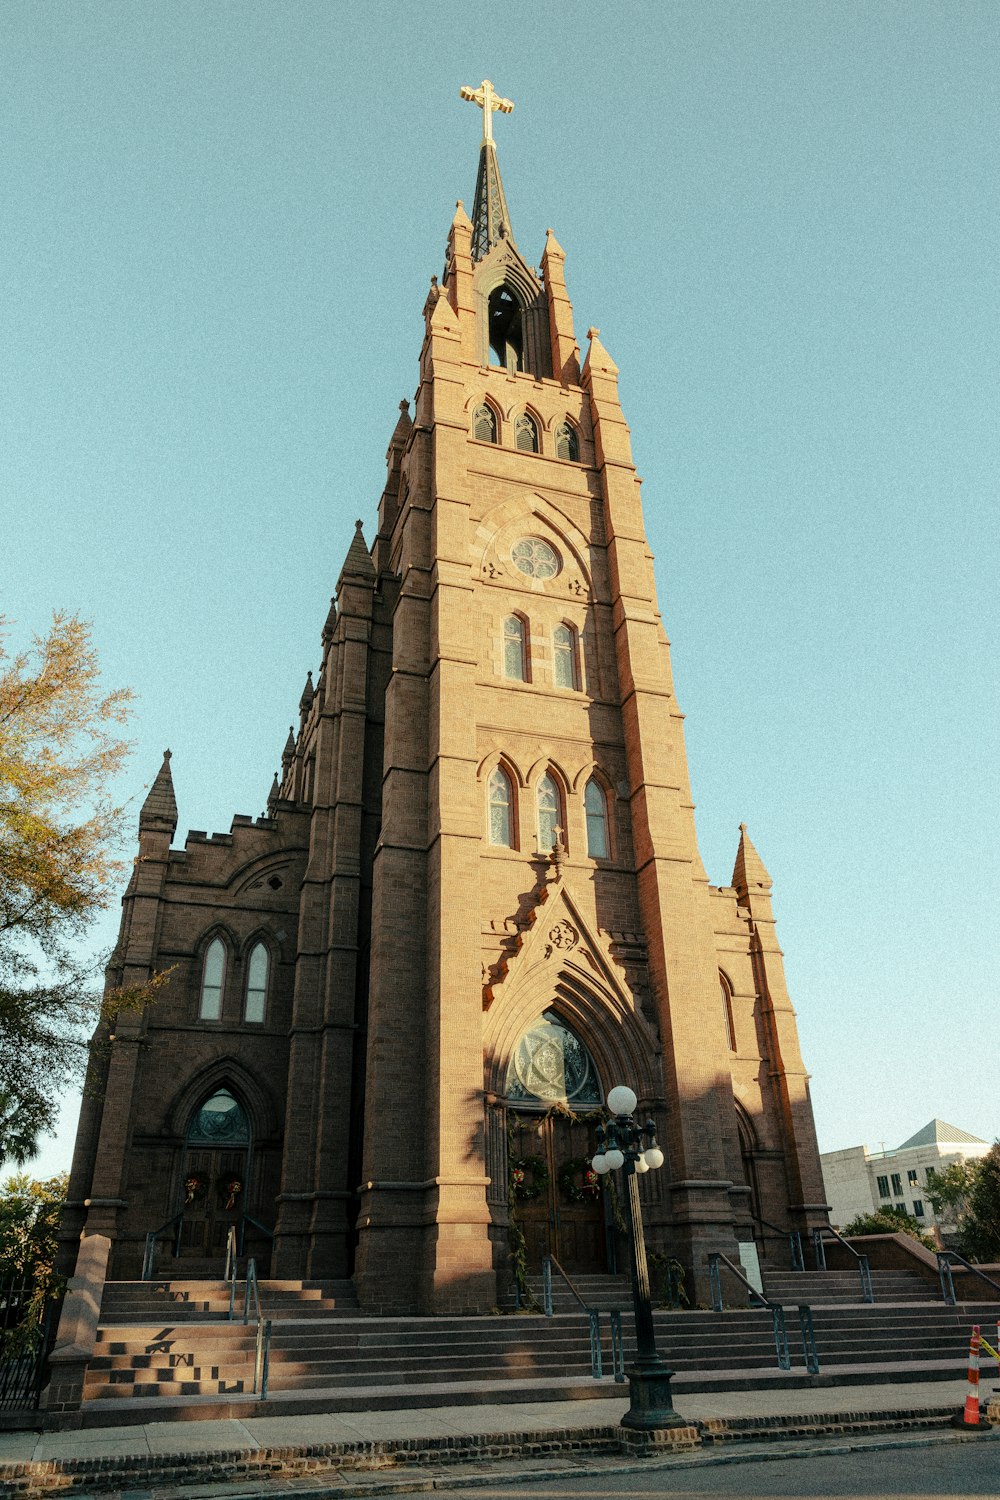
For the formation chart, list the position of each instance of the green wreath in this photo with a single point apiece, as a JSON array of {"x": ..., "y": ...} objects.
[
  {"x": 529, "y": 1177},
  {"x": 578, "y": 1181}
]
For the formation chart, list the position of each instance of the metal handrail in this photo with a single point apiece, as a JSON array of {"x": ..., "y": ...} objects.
[
  {"x": 864, "y": 1266},
  {"x": 246, "y": 1219},
  {"x": 715, "y": 1263},
  {"x": 944, "y": 1260},
  {"x": 177, "y": 1224},
  {"x": 231, "y": 1257},
  {"x": 263, "y": 1341},
  {"x": 593, "y": 1318},
  {"x": 794, "y": 1240}
]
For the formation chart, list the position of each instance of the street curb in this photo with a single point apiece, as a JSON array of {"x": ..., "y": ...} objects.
[{"x": 237, "y": 1474}]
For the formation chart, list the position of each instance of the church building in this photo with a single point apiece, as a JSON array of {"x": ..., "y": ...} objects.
[{"x": 475, "y": 902}]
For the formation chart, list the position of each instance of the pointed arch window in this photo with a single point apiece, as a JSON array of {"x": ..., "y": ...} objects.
[
  {"x": 567, "y": 443},
  {"x": 552, "y": 1066},
  {"x": 258, "y": 969},
  {"x": 484, "y": 424},
  {"x": 549, "y": 812},
  {"x": 501, "y": 796},
  {"x": 515, "y": 649},
  {"x": 505, "y": 330},
  {"x": 526, "y": 433},
  {"x": 727, "y": 1011},
  {"x": 596, "y": 807},
  {"x": 221, "y": 1121},
  {"x": 213, "y": 975},
  {"x": 564, "y": 656}
]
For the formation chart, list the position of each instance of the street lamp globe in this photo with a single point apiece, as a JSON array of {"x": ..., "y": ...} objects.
[{"x": 621, "y": 1100}]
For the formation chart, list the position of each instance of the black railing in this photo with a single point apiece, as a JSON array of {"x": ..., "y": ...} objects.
[
  {"x": 793, "y": 1236},
  {"x": 550, "y": 1264},
  {"x": 864, "y": 1268},
  {"x": 944, "y": 1262},
  {"x": 716, "y": 1263},
  {"x": 149, "y": 1258},
  {"x": 27, "y": 1330}
]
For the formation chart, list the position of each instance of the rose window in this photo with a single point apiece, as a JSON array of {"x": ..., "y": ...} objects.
[{"x": 535, "y": 558}]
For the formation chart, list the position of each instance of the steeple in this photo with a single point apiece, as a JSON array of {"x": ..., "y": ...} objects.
[
  {"x": 490, "y": 215},
  {"x": 749, "y": 872},
  {"x": 160, "y": 807}
]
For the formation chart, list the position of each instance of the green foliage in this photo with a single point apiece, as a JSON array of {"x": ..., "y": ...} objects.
[
  {"x": 949, "y": 1190},
  {"x": 980, "y": 1224},
  {"x": 889, "y": 1221},
  {"x": 60, "y": 749},
  {"x": 29, "y": 1223}
]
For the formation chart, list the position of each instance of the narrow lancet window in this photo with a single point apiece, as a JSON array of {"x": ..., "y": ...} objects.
[
  {"x": 257, "y": 983},
  {"x": 210, "y": 1008},
  {"x": 596, "y": 807},
  {"x": 526, "y": 434},
  {"x": 515, "y": 655},
  {"x": 484, "y": 424},
  {"x": 549, "y": 810},
  {"x": 564, "y": 656},
  {"x": 727, "y": 1012},
  {"x": 501, "y": 809},
  {"x": 567, "y": 443}
]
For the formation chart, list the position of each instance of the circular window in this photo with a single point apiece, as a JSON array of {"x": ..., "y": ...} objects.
[
  {"x": 535, "y": 558},
  {"x": 551, "y": 1065}
]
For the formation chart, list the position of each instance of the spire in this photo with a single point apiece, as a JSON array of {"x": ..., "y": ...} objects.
[
  {"x": 274, "y": 793},
  {"x": 490, "y": 215},
  {"x": 308, "y": 694},
  {"x": 749, "y": 871},
  {"x": 330, "y": 625},
  {"x": 358, "y": 562},
  {"x": 160, "y": 807},
  {"x": 401, "y": 431},
  {"x": 288, "y": 754}
]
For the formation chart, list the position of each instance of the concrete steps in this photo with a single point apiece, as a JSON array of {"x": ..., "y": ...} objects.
[
  {"x": 836, "y": 1288},
  {"x": 207, "y": 1301}
]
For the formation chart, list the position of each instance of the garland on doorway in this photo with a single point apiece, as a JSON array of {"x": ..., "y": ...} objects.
[{"x": 578, "y": 1181}]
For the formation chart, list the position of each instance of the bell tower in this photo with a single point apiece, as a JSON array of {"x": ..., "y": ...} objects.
[{"x": 535, "y": 776}]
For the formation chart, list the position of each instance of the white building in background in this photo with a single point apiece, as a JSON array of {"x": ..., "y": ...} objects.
[{"x": 859, "y": 1181}]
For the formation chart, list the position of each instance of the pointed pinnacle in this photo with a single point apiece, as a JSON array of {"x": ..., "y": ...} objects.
[
  {"x": 749, "y": 872},
  {"x": 160, "y": 807},
  {"x": 357, "y": 563}
]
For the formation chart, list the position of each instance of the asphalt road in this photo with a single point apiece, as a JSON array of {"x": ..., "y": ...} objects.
[{"x": 917, "y": 1470}]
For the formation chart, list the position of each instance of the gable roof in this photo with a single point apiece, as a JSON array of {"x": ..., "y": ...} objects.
[{"x": 938, "y": 1133}]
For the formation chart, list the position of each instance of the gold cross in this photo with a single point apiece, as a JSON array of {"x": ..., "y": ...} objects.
[{"x": 488, "y": 100}]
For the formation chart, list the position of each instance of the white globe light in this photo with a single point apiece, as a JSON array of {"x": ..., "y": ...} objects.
[
  {"x": 614, "y": 1159},
  {"x": 641, "y": 1165},
  {"x": 600, "y": 1163},
  {"x": 621, "y": 1100},
  {"x": 653, "y": 1157}
]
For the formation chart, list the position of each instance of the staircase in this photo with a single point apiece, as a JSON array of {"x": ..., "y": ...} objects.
[
  {"x": 167, "y": 1350},
  {"x": 843, "y": 1288}
]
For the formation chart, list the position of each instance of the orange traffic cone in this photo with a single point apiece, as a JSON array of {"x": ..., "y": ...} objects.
[{"x": 970, "y": 1415}]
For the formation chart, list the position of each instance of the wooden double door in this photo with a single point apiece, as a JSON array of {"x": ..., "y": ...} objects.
[
  {"x": 560, "y": 1213},
  {"x": 215, "y": 1197}
]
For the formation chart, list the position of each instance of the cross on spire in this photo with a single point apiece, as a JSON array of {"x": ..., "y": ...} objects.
[{"x": 488, "y": 100}]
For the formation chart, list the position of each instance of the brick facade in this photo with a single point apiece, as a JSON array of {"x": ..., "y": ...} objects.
[{"x": 408, "y": 953}]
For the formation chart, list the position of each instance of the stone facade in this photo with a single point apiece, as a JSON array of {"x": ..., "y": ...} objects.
[{"x": 416, "y": 919}]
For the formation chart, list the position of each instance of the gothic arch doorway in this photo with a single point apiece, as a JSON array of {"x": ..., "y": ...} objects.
[
  {"x": 216, "y": 1172},
  {"x": 551, "y": 1082}
]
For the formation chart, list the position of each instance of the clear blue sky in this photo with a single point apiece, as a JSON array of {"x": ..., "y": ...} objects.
[{"x": 220, "y": 222}]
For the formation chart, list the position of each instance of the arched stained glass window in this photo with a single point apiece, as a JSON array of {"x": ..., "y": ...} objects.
[
  {"x": 220, "y": 1121},
  {"x": 212, "y": 976},
  {"x": 515, "y": 653},
  {"x": 484, "y": 424},
  {"x": 549, "y": 812},
  {"x": 526, "y": 434},
  {"x": 257, "y": 973},
  {"x": 564, "y": 656},
  {"x": 596, "y": 807},
  {"x": 501, "y": 809},
  {"x": 552, "y": 1066},
  {"x": 567, "y": 443}
]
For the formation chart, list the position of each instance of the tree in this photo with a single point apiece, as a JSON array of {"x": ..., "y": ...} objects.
[
  {"x": 949, "y": 1190},
  {"x": 60, "y": 748},
  {"x": 980, "y": 1225},
  {"x": 889, "y": 1221},
  {"x": 29, "y": 1223}
]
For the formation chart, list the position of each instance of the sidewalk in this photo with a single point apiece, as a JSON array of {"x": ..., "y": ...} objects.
[{"x": 729, "y": 1413}]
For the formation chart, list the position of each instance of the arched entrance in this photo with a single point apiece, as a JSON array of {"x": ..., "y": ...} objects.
[
  {"x": 216, "y": 1172},
  {"x": 551, "y": 1083}
]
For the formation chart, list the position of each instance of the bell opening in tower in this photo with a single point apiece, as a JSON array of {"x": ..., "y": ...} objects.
[{"x": 506, "y": 337}]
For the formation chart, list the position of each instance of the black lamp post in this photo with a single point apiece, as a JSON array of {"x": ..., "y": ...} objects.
[{"x": 623, "y": 1143}]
